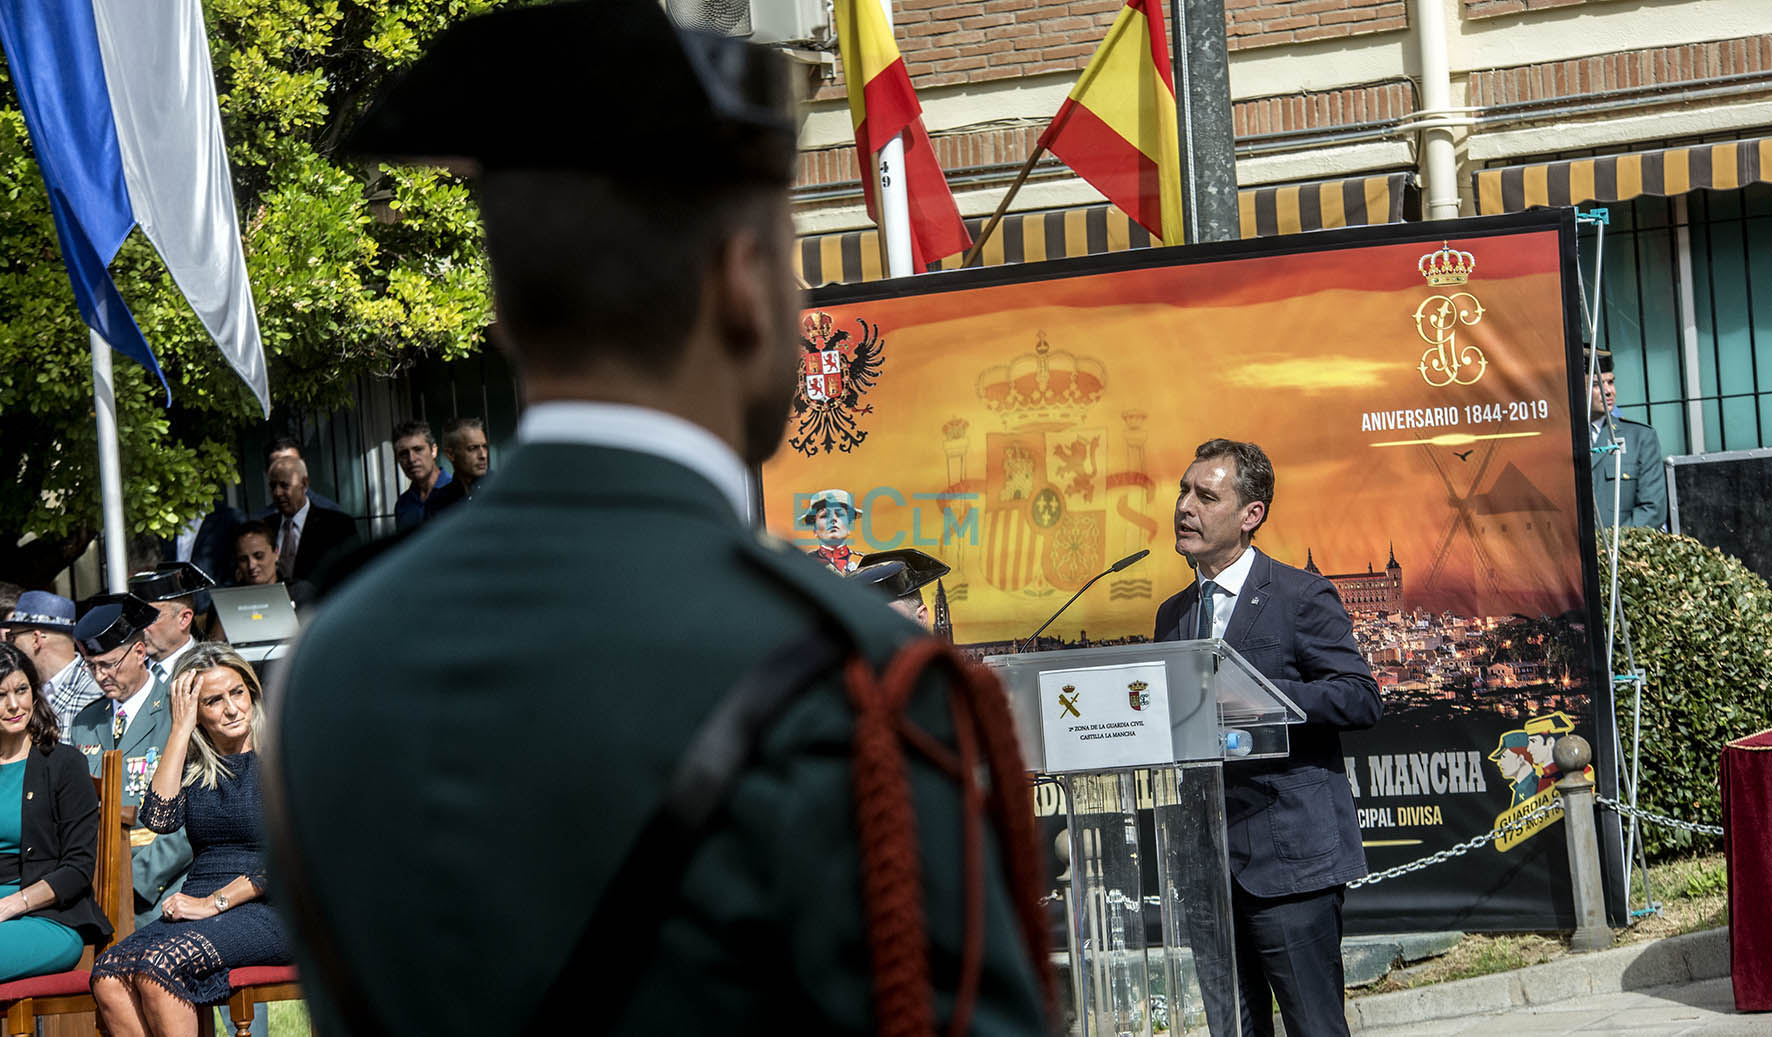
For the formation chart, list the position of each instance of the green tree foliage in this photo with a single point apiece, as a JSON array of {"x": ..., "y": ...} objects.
[
  {"x": 356, "y": 268},
  {"x": 1701, "y": 627}
]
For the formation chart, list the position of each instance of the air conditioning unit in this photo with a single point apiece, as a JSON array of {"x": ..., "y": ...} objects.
[{"x": 794, "y": 25}]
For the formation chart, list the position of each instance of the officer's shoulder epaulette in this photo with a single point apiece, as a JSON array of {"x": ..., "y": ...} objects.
[{"x": 858, "y": 612}]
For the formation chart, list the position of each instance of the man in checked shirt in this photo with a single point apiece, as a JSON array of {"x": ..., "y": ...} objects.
[{"x": 41, "y": 625}]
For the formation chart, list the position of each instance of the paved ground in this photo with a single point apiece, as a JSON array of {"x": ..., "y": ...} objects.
[
  {"x": 1704, "y": 1007},
  {"x": 1677, "y": 985}
]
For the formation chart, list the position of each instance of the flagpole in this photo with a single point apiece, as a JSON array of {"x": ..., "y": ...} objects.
[
  {"x": 895, "y": 205},
  {"x": 110, "y": 470},
  {"x": 1002, "y": 207}
]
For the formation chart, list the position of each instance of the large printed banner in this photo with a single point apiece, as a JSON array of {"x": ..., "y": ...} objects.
[{"x": 1418, "y": 397}]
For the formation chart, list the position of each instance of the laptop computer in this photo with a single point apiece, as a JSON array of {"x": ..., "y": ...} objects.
[{"x": 255, "y": 620}]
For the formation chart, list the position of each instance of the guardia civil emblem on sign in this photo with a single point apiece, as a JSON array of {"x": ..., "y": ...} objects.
[
  {"x": 1137, "y": 693},
  {"x": 836, "y": 370},
  {"x": 1438, "y": 318}
]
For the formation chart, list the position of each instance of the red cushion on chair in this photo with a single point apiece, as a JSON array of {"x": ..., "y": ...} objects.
[
  {"x": 260, "y": 975},
  {"x": 56, "y": 984}
]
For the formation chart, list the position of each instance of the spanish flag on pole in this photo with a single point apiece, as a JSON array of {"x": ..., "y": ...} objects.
[
  {"x": 1117, "y": 127},
  {"x": 883, "y": 105}
]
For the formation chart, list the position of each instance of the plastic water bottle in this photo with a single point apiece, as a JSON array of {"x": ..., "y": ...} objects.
[{"x": 1238, "y": 743}]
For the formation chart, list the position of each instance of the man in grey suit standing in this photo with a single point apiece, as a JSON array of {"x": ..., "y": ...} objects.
[
  {"x": 135, "y": 716},
  {"x": 1293, "y": 837}
]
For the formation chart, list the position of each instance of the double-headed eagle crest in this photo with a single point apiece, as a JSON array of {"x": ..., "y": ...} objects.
[{"x": 837, "y": 369}]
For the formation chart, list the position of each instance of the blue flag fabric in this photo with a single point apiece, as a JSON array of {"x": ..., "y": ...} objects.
[{"x": 53, "y": 54}]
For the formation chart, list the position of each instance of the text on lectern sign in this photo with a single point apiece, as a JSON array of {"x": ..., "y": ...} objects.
[{"x": 1105, "y": 717}]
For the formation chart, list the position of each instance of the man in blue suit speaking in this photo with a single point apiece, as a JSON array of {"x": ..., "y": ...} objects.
[{"x": 1293, "y": 837}]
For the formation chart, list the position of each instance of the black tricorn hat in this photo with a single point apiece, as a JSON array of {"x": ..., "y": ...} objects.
[
  {"x": 108, "y": 620},
  {"x": 899, "y": 572},
  {"x": 169, "y": 580},
  {"x": 1602, "y": 357},
  {"x": 604, "y": 86}
]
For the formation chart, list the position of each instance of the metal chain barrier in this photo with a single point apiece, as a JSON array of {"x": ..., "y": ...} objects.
[
  {"x": 1661, "y": 819},
  {"x": 1467, "y": 846}
]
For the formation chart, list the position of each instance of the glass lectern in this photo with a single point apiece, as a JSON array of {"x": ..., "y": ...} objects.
[{"x": 1094, "y": 718}]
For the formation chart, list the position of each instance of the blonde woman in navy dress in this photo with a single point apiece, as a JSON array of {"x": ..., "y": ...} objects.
[
  {"x": 49, "y": 811},
  {"x": 207, "y": 782}
]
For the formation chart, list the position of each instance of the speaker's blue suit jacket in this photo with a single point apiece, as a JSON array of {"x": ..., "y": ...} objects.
[{"x": 1291, "y": 823}]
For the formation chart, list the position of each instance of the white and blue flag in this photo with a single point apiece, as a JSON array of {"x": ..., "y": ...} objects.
[{"x": 119, "y": 98}]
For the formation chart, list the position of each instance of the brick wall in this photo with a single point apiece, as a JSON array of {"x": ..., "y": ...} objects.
[
  {"x": 945, "y": 42},
  {"x": 1491, "y": 8},
  {"x": 1320, "y": 110},
  {"x": 1620, "y": 71},
  {"x": 1270, "y": 23}
]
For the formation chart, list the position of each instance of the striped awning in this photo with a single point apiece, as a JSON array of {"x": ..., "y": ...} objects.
[
  {"x": 854, "y": 256},
  {"x": 1620, "y": 178}
]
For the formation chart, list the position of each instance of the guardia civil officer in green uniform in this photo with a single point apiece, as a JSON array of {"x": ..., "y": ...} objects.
[
  {"x": 622, "y": 795},
  {"x": 135, "y": 715},
  {"x": 1641, "y": 480},
  {"x": 899, "y": 576}
]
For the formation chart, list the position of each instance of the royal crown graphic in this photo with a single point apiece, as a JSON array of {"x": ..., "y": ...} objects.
[
  {"x": 1446, "y": 265},
  {"x": 1047, "y": 388}
]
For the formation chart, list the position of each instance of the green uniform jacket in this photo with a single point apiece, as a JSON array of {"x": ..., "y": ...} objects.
[
  {"x": 159, "y": 867},
  {"x": 473, "y": 730},
  {"x": 1642, "y": 495}
]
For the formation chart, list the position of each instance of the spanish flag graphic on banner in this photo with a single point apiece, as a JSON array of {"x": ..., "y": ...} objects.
[
  {"x": 1117, "y": 128},
  {"x": 882, "y": 105}
]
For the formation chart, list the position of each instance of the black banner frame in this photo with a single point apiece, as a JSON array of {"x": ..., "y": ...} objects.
[{"x": 1562, "y": 221}]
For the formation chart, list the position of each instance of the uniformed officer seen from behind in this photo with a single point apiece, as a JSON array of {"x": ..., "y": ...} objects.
[{"x": 455, "y": 833}]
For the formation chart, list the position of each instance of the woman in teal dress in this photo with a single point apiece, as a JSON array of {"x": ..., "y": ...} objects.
[{"x": 49, "y": 809}]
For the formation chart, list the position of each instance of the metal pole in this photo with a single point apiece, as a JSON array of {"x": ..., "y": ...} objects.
[
  {"x": 1439, "y": 164},
  {"x": 895, "y": 208},
  {"x": 110, "y": 468},
  {"x": 1202, "y": 69},
  {"x": 1688, "y": 327}
]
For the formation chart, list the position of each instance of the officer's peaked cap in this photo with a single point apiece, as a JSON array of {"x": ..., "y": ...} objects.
[{"x": 604, "y": 86}]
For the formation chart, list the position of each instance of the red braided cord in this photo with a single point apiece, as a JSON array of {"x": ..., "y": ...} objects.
[{"x": 891, "y": 877}]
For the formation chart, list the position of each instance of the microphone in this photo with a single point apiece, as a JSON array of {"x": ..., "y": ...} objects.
[
  {"x": 1114, "y": 568},
  {"x": 1126, "y": 561}
]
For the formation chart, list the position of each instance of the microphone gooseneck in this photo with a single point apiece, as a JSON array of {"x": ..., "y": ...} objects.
[{"x": 1130, "y": 559}]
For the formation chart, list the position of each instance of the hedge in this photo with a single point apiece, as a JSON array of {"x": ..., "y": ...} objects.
[{"x": 1701, "y": 626}]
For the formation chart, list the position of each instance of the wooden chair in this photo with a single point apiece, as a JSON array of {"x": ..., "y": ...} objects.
[
  {"x": 249, "y": 986},
  {"x": 69, "y": 993}
]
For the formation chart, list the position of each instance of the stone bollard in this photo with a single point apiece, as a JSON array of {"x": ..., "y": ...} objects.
[{"x": 1572, "y": 755}]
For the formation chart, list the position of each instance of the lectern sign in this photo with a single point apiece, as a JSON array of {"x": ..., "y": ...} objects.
[{"x": 1105, "y": 717}]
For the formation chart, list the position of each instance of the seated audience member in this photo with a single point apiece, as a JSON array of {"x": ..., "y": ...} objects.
[
  {"x": 464, "y": 443},
  {"x": 49, "y": 809},
  {"x": 208, "y": 784},
  {"x": 134, "y": 717},
  {"x": 415, "y": 449},
  {"x": 255, "y": 554},
  {"x": 42, "y": 627},
  {"x": 172, "y": 589},
  {"x": 255, "y": 562},
  {"x": 307, "y": 534}
]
